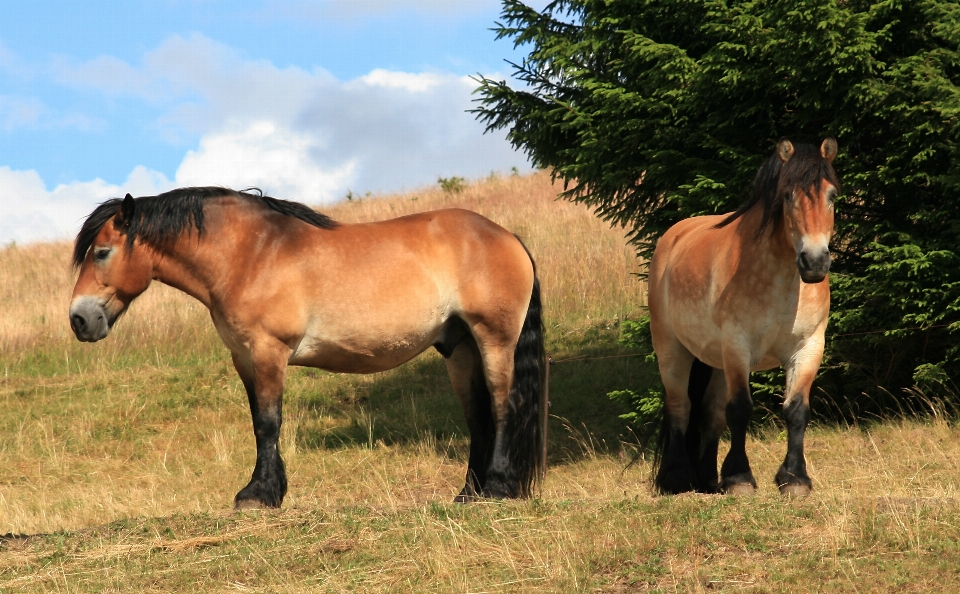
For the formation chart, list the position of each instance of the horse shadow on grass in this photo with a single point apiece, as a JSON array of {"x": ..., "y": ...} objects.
[{"x": 414, "y": 405}]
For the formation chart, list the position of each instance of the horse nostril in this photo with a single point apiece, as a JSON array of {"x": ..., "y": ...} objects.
[
  {"x": 78, "y": 322},
  {"x": 804, "y": 262}
]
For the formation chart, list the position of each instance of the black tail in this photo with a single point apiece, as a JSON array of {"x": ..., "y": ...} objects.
[
  {"x": 529, "y": 365},
  {"x": 700, "y": 374}
]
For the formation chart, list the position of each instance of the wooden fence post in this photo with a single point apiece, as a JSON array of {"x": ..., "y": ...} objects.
[{"x": 544, "y": 417}]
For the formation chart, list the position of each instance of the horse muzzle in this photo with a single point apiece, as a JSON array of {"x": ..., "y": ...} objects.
[
  {"x": 89, "y": 320},
  {"x": 813, "y": 264}
]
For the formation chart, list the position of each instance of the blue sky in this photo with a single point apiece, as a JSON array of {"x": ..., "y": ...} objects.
[{"x": 305, "y": 99}]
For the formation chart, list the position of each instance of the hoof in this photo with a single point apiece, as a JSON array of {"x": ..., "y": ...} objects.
[
  {"x": 795, "y": 490},
  {"x": 242, "y": 504},
  {"x": 711, "y": 489},
  {"x": 739, "y": 484},
  {"x": 497, "y": 494},
  {"x": 740, "y": 489},
  {"x": 793, "y": 484},
  {"x": 497, "y": 489},
  {"x": 257, "y": 495}
]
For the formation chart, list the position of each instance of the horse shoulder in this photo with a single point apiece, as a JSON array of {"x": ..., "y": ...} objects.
[{"x": 688, "y": 253}]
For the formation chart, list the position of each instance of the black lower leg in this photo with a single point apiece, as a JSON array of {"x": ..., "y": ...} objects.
[
  {"x": 502, "y": 482},
  {"x": 736, "y": 467},
  {"x": 675, "y": 475},
  {"x": 268, "y": 485},
  {"x": 480, "y": 424},
  {"x": 793, "y": 471},
  {"x": 706, "y": 467}
]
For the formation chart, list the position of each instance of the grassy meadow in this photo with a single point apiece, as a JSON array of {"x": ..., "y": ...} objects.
[{"x": 119, "y": 460}]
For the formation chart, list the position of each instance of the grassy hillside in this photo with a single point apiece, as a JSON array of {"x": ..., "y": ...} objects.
[{"x": 120, "y": 459}]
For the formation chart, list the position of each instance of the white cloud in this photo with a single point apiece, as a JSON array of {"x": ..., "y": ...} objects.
[
  {"x": 110, "y": 75},
  {"x": 416, "y": 83},
  {"x": 30, "y": 112},
  {"x": 13, "y": 65},
  {"x": 30, "y": 212},
  {"x": 145, "y": 182},
  {"x": 274, "y": 159},
  {"x": 390, "y": 130},
  {"x": 297, "y": 134},
  {"x": 404, "y": 130}
]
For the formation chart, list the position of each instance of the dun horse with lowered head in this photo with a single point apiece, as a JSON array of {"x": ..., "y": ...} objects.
[
  {"x": 286, "y": 285},
  {"x": 731, "y": 294}
]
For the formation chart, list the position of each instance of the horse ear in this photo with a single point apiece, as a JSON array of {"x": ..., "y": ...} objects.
[
  {"x": 123, "y": 217},
  {"x": 828, "y": 150},
  {"x": 784, "y": 149}
]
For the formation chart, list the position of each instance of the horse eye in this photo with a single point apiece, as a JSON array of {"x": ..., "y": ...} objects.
[{"x": 101, "y": 254}]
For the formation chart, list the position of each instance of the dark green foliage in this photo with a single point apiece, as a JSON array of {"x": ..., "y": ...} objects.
[
  {"x": 644, "y": 407},
  {"x": 452, "y": 185},
  {"x": 656, "y": 110}
]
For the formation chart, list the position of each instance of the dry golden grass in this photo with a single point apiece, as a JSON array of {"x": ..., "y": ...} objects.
[
  {"x": 884, "y": 516},
  {"x": 120, "y": 460}
]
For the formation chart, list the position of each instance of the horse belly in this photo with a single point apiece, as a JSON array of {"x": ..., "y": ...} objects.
[
  {"x": 342, "y": 358},
  {"x": 354, "y": 347}
]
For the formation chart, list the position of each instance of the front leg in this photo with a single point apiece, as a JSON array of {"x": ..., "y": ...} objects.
[
  {"x": 262, "y": 377},
  {"x": 735, "y": 473},
  {"x": 736, "y": 477},
  {"x": 792, "y": 478}
]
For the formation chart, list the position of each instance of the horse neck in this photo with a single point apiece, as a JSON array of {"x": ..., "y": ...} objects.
[
  {"x": 773, "y": 247},
  {"x": 194, "y": 262},
  {"x": 203, "y": 266},
  {"x": 186, "y": 265}
]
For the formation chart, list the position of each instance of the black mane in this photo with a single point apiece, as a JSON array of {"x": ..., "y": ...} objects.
[
  {"x": 776, "y": 181},
  {"x": 161, "y": 219}
]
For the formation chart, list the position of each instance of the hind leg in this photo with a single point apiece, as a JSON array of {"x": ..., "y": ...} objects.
[
  {"x": 676, "y": 475},
  {"x": 466, "y": 375},
  {"x": 502, "y": 480},
  {"x": 714, "y": 423}
]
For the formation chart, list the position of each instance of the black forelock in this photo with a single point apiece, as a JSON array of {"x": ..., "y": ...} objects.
[
  {"x": 776, "y": 180},
  {"x": 159, "y": 220},
  {"x": 91, "y": 228}
]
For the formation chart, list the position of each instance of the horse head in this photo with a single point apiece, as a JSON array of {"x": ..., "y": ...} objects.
[
  {"x": 113, "y": 270},
  {"x": 809, "y": 186}
]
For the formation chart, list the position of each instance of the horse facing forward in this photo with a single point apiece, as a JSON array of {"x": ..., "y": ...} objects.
[
  {"x": 738, "y": 293},
  {"x": 286, "y": 285}
]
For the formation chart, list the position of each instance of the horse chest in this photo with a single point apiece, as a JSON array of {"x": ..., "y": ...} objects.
[{"x": 725, "y": 321}]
